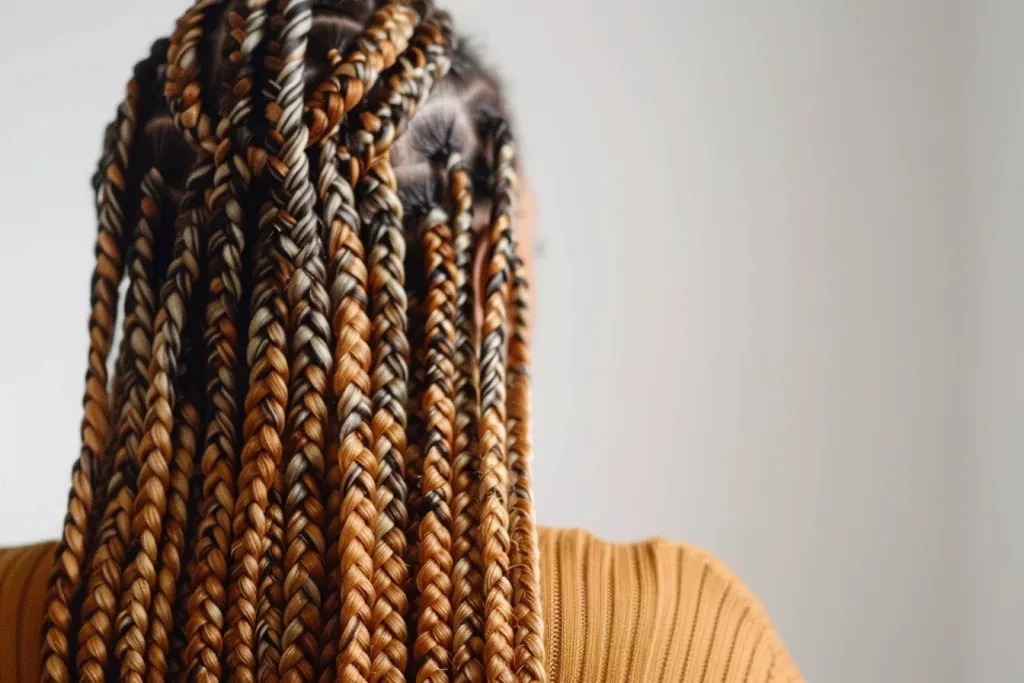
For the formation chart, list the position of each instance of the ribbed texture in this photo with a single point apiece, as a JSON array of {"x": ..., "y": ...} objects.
[{"x": 652, "y": 611}]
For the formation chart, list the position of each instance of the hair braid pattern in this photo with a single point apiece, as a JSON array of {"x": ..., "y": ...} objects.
[
  {"x": 113, "y": 202},
  {"x": 312, "y": 464},
  {"x": 207, "y": 601}
]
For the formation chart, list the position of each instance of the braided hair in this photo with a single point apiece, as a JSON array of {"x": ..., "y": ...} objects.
[{"x": 311, "y": 463}]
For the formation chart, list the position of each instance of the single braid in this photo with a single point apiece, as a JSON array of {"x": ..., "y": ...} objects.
[
  {"x": 427, "y": 58},
  {"x": 166, "y": 635},
  {"x": 270, "y": 608},
  {"x": 432, "y": 648},
  {"x": 108, "y": 561},
  {"x": 525, "y": 571},
  {"x": 415, "y": 426},
  {"x": 177, "y": 663},
  {"x": 113, "y": 201},
  {"x": 494, "y": 517},
  {"x": 162, "y": 623},
  {"x": 467, "y": 583},
  {"x": 236, "y": 160}
]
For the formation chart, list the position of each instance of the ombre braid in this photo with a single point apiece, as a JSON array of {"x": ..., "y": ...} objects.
[
  {"x": 433, "y": 580},
  {"x": 299, "y": 239},
  {"x": 134, "y": 651},
  {"x": 526, "y": 605},
  {"x": 493, "y": 530},
  {"x": 381, "y": 213},
  {"x": 113, "y": 201},
  {"x": 99, "y": 610},
  {"x": 352, "y": 462},
  {"x": 467, "y": 603},
  {"x": 307, "y": 196},
  {"x": 253, "y": 638},
  {"x": 232, "y": 178}
]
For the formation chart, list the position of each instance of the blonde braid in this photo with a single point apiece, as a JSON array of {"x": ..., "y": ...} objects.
[
  {"x": 99, "y": 609},
  {"x": 299, "y": 241},
  {"x": 494, "y": 517},
  {"x": 526, "y": 605},
  {"x": 381, "y": 213},
  {"x": 433, "y": 640},
  {"x": 235, "y": 162},
  {"x": 467, "y": 583},
  {"x": 352, "y": 470},
  {"x": 57, "y": 655}
]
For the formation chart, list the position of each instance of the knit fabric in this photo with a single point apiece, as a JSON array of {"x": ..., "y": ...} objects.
[{"x": 614, "y": 613}]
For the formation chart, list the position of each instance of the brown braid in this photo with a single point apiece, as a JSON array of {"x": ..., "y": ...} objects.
[
  {"x": 255, "y": 617},
  {"x": 373, "y": 442},
  {"x": 156, "y": 448},
  {"x": 113, "y": 200},
  {"x": 136, "y": 652},
  {"x": 352, "y": 463},
  {"x": 108, "y": 560},
  {"x": 494, "y": 518},
  {"x": 433, "y": 640},
  {"x": 526, "y": 607},
  {"x": 299, "y": 241},
  {"x": 467, "y": 640},
  {"x": 264, "y": 423},
  {"x": 381, "y": 213},
  {"x": 414, "y": 428},
  {"x": 162, "y": 623},
  {"x": 232, "y": 177}
]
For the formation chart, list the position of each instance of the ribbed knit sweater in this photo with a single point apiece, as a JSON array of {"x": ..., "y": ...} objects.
[{"x": 614, "y": 613}]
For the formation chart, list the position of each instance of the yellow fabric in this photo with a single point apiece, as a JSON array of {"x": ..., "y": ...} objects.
[{"x": 651, "y": 611}]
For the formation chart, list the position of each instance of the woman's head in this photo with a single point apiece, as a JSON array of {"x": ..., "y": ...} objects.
[{"x": 312, "y": 459}]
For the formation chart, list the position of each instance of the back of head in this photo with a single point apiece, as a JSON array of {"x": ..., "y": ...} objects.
[{"x": 311, "y": 462}]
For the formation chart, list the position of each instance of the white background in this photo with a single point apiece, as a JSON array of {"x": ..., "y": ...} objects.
[{"x": 779, "y": 294}]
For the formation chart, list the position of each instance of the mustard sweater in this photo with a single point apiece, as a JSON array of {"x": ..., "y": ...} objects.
[{"x": 651, "y": 611}]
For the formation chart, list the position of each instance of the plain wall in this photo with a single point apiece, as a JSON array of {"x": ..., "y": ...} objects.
[
  {"x": 750, "y": 289},
  {"x": 994, "y": 600}
]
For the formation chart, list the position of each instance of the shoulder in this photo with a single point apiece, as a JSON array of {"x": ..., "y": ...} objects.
[
  {"x": 652, "y": 611},
  {"x": 24, "y": 575}
]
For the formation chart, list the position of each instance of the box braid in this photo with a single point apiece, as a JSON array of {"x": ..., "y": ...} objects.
[
  {"x": 433, "y": 641},
  {"x": 165, "y": 598},
  {"x": 136, "y": 651},
  {"x": 309, "y": 197},
  {"x": 467, "y": 605},
  {"x": 381, "y": 213},
  {"x": 298, "y": 233},
  {"x": 493, "y": 530},
  {"x": 108, "y": 560},
  {"x": 113, "y": 202},
  {"x": 244, "y": 25},
  {"x": 352, "y": 471},
  {"x": 525, "y": 573}
]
